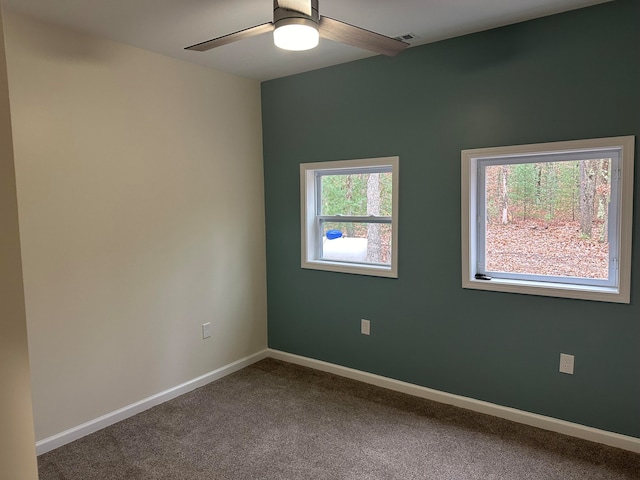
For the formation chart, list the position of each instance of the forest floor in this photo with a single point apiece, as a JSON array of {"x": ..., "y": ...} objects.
[{"x": 543, "y": 248}]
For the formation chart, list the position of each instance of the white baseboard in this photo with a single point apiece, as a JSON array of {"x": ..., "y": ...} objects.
[
  {"x": 91, "y": 426},
  {"x": 520, "y": 416}
]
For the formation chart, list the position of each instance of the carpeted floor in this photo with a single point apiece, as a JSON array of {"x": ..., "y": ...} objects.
[{"x": 274, "y": 420}]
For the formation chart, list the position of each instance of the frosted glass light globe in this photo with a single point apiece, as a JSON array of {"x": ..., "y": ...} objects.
[{"x": 296, "y": 37}]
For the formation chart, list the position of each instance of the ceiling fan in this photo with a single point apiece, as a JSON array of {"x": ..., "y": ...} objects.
[{"x": 297, "y": 25}]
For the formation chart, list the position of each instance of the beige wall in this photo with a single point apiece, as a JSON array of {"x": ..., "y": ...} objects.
[
  {"x": 140, "y": 193},
  {"x": 17, "y": 448}
]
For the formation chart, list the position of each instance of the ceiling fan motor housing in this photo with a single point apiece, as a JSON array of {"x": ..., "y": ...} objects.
[{"x": 284, "y": 16}]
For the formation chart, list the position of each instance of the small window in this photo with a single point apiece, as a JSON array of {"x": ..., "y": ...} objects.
[
  {"x": 350, "y": 216},
  {"x": 549, "y": 219}
]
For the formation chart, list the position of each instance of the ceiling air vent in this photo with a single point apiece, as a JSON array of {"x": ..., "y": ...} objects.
[{"x": 407, "y": 37}]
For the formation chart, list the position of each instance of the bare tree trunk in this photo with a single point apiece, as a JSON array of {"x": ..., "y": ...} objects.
[
  {"x": 349, "y": 196},
  {"x": 603, "y": 193},
  {"x": 597, "y": 179},
  {"x": 587, "y": 194},
  {"x": 576, "y": 189},
  {"x": 504, "y": 196},
  {"x": 605, "y": 224},
  {"x": 374, "y": 250}
]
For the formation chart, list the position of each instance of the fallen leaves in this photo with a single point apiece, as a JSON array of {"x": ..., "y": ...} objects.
[{"x": 540, "y": 248}]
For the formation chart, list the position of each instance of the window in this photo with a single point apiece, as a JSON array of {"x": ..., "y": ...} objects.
[
  {"x": 350, "y": 216},
  {"x": 550, "y": 219}
]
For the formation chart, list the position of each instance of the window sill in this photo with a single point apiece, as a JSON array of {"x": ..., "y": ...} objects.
[
  {"x": 549, "y": 289},
  {"x": 353, "y": 268}
]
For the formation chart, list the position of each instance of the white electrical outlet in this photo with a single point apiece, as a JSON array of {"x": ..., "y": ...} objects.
[
  {"x": 566, "y": 363},
  {"x": 365, "y": 327},
  {"x": 206, "y": 330}
]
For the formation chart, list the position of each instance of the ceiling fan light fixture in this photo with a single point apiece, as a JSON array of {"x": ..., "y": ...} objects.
[
  {"x": 297, "y": 26},
  {"x": 296, "y": 34}
]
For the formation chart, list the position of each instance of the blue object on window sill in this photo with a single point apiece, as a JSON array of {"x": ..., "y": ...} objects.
[{"x": 333, "y": 234}]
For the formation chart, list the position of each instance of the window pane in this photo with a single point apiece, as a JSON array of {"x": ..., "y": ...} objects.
[
  {"x": 356, "y": 242},
  {"x": 548, "y": 218},
  {"x": 356, "y": 194}
]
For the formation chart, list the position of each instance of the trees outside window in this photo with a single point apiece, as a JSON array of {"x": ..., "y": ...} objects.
[{"x": 560, "y": 206}]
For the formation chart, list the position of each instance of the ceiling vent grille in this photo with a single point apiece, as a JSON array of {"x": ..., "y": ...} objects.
[{"x": 407, "y": 37}]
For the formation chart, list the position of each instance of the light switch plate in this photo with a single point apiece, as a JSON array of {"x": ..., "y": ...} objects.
[{"x": 206, "y": 330}]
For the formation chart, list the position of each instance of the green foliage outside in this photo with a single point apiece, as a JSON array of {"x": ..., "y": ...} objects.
[
  {"x": 547, "y": 191},
  {"x": 347, "y": 194}
]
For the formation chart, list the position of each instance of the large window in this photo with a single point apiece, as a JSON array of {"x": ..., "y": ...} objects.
[
  {"x": 549, "y": 219},
  {"x": 350, "y": 216}
]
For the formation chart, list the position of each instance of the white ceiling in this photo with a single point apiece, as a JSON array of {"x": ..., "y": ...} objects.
[{"x": 167, "y": 26}]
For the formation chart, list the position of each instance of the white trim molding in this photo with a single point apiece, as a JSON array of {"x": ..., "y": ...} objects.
[
  {"x": 617, "y": 286},
  {"x": 68, "y": 436},
  {"x": 547, "y": 423},
  {"x": 311, "y": 218}
]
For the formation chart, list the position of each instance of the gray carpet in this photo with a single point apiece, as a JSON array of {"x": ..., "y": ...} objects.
[{"x": 274, "y": 420}]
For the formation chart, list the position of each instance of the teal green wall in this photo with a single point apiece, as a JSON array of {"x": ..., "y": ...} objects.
[{"x": 569, "y": 76}]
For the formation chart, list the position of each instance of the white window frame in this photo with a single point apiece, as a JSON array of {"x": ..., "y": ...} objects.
[
  {"x": 618, "y": 289},
  {"x": 310, "y": 215}
]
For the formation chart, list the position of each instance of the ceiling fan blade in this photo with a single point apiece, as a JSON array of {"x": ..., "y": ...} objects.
[
  {"x": 302, "y": 6},
  {"x": 232, "y": 37},
  {"x": 359, "y": 37}
]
